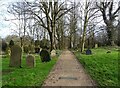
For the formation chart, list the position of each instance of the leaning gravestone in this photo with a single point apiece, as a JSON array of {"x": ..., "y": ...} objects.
[
  {"x": 15, "y": 57},
  {"x": 88, "y": 52},
  {"x": 53, "y": 53},
  {"x": 45, "y": 56},
  {"x": 30, "y": 61}
]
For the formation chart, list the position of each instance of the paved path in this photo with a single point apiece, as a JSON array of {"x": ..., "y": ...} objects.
[{"x": 68, "y": 72}]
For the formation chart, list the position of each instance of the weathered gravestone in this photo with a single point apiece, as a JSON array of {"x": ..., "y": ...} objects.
[
  {"x": 96, "y": 45},
  {"x": 45, "y": 56},
  {"x": 88, "y": 52},
  {"x": 30, "y": 61},
  {"x": 53, "y": 53},
  {"x": 15, "y": 57}
]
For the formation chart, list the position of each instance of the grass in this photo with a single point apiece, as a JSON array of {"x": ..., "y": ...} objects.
[
  {"x": 102, "y": 66},
  {"x": 24, "y": 76}
]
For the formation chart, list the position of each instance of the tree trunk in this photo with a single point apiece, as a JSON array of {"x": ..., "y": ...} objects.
[
  {"x": 83, "y": 43},
  {"x": 70, "y": 46},
  {"x": 21, "y": 41},
  {"x": 110, "y": 33},
  {"x": 84, "y": 34},
  {"x": 51, "y": 41},
  {"x": 85, "y": 26}
]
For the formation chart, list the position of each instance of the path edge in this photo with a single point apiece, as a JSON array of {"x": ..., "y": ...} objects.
[
  {"x": 94, "y": 82},
  {"x": 53, "y": 68}
]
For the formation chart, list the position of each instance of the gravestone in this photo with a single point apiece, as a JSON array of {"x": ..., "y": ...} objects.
[
  {"x": 45, "y": 56},
  {"x": 108, "y": 51},
  {"x": 96, "y": 45},
  {"x": 53, "y": 53},
  {"x": 88, "y": 52},
  {"x": 15, "y": 57},
  {"x": 30, "y": 61}
]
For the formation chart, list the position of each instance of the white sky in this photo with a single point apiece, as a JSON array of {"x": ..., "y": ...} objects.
[{"x": 6, "y": 26}]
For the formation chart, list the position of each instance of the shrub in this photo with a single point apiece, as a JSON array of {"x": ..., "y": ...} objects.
[
  {"x": 4, "y": 45},
  {"x": 8, "y": 51},
  {"x": 37, "y": 49},
  {"x": 26, "y": 49},
  {"x": 37, "y": 43},
  {"x": 31, "y": 48}
]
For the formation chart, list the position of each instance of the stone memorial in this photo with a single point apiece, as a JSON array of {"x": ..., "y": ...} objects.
[
  {"x": 88, "y": 52},
  {"x": 96, "y": 45},
  {"x": 15, "y": 56},
  {"x": 30, "y": 61},
  {"x": 53, "y": 53},
  {"x": 45, "y": 56}
]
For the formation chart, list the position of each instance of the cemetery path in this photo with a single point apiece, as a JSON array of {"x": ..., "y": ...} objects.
[{"x": 68, "y": 72}]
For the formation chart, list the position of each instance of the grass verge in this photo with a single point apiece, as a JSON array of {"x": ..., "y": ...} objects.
[
  {"x": 26, "y": 76},
  {"x": 102, "y": 66}
]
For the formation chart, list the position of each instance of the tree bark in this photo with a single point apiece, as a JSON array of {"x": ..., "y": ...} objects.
[{"x": 51, "y": 41}]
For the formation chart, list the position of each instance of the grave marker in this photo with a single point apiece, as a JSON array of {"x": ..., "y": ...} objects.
[
  {"x": 30, "y": 61},
  {"x": 45, "y": 56},
  {"x": 15, "y": 57},
  {"x": 88, "y": 52},
  {"x": 53, "y": 53}
]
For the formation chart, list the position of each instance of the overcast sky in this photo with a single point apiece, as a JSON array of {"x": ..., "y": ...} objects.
[{"x": 6, "y": 26}]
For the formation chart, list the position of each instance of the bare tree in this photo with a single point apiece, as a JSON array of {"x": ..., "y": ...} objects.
[
  {"x": 52, "y": 13},
  {"x": 19, "y": 10},
  {"x": 73, "y": 26},
  {"x": 109, "y": 15},
  {"x": 89, "y": 15}
]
